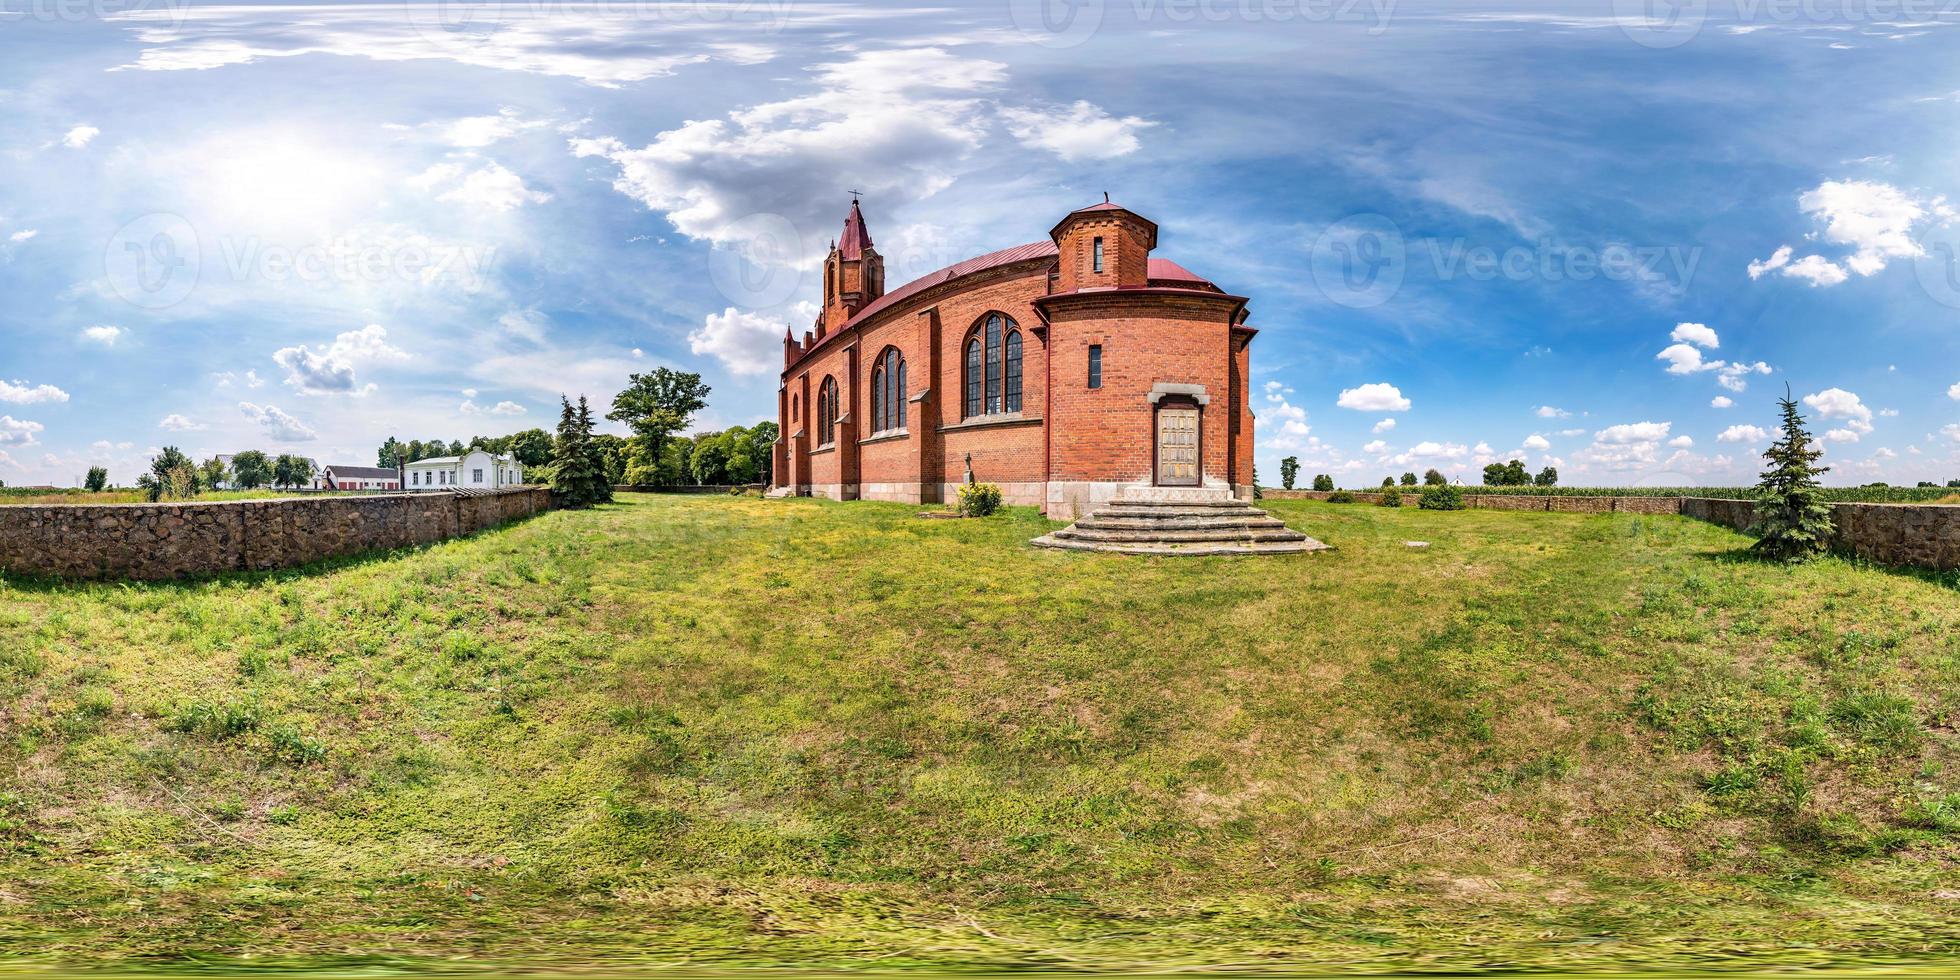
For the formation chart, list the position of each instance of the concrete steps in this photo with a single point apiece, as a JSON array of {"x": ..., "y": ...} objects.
[{"x": 1183, "y": 522}]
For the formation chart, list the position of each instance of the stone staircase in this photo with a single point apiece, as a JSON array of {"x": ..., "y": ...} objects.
[{"x": 1178, "y": 521}]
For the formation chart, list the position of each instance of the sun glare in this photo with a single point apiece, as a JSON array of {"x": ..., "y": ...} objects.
[{"x": 287, "y": 183}]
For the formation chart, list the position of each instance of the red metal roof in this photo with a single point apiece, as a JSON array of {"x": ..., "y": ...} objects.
[
  {"x": 856, "y": 237},
  {"x": 1158, "y": 269},
  {"x": 979, "y": 263}
]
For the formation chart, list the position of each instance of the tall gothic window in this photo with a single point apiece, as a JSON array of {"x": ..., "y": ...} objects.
[
  {"x": 973, "y": 377},
  {"x": 827, "y": 412},
  {"x": 993, "y": 367},
  {"x": 888, "y": 392}
]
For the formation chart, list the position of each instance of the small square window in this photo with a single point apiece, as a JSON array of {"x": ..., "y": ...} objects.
[
  {"x": 476, "y": 476},
  {"x": 1095, "y": 365},
  {"x": 1097, "y": 261}
]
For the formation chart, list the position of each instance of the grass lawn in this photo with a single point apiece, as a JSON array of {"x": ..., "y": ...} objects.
[{"x": 725, "y": 731}]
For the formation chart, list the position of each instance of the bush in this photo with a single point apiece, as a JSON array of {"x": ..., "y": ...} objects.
[
  {"x": 1445, "y": 497},
  {"x": 1391, "y": 497},
  {"x": 1340, "y": 497},
  {"x": 1323, "y": 482},
  {"x": 979, "y": 499}
]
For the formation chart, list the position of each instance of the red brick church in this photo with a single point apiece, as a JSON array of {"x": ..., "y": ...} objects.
[{"x": 1063, "y": 370}]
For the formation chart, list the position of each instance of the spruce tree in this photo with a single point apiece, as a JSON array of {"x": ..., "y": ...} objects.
[
  {"x": 575, "y": 480},
  {"x": 595, "y": 457},
  {"x": 1792, "y": 521}
]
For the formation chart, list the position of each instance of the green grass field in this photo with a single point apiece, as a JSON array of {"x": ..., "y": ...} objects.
[{"x": 733, "y": 732}]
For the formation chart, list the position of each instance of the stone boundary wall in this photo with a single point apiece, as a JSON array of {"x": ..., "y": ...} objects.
[
  {"x": 1506, "y": 501},
  {"x": 1924, "y": 535},
  {"x": 173, "y": 540}
]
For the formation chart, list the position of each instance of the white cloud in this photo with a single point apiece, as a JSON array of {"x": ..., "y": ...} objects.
[
  {"x": 17, "y": 392},
  {"x": 79, "y": 136},
  {"x": 1376, "y": 447},
  {"x": 1685, "y": 359},
  {"x": 1385, "y": 425},
  {"x": 1681, "y": 442},
  {"x": 18, "y": 432},
  {"x": 551, "y": 39},
  {"x": 1721, "y": 401},
  {"x": 1732, "y": 376},
  {"x": 1286, "y": 421},
  {"x": 901, "y": 122},
  {"x": 331, "y": 370},
  {"x": 1743, "y": 433},
  {"x": 1837, "y": 403},
  {"x": 1569, "y": 433},
  {"x": 1951, "y": 430},
  {"x": 1875, "y": 220},
  {"x": 476, "y": 132},
  {"x": 278, "y": 426},
  {"x": 1695, "y": 333},
  {"x": 470, "y": 407},
  {"x": 1548, "y": 412},
  {"x": 1633, "y": 432},
  {"x": 226, "y": 379},
  {"x": 177, "y": 423},
  {"x": 1537, "y": 442},
  {"x": 1954, "y": 392},
  {"x": 1082, "y": 131},
  {"x": 746, "y": 342},
  {"x": 491, "y": 187},
  {"x": 1378, "y": 396},
  {"x": 103, "y": 334},
  {"x": 23, "y": 235}
]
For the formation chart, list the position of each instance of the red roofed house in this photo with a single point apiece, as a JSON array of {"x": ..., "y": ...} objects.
[{"x": 1064, "y": 370}]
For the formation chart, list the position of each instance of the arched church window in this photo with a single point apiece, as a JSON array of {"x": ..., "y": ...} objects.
[
  {"x": 993, "y": 367},
  {"x": 827, "y": 412},
  {"x": 888, "y": 392}
]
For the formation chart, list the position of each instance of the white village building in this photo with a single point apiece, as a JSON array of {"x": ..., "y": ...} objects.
[{"x": 474, "y": 470}]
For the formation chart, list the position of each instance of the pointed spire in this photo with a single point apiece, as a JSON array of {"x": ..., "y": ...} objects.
[{"x": 856, "y": 238}]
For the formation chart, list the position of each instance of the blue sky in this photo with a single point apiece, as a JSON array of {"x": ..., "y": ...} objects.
[{"x": 1591, "y": 235}]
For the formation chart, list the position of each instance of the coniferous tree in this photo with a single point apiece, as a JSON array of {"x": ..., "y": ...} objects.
[
  {"x": 578, "y": 475},
  {"x": 1793, "y": 523}
]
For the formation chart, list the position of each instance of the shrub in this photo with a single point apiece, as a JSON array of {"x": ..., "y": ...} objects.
[
  {"x": 1340, "y": 497},
  {"x": 1391, "y": 497},
  {"x": 979, "y": 499},
  {"x": 1444, "y": 497}
]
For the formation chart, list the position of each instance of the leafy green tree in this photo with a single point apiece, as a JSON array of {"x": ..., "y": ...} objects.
[
  {"x": 1388, "y": 481},
  {"x": 171, "y": 475},
  {"x": 1322, "y": 481},
  {"x": 98, "y": 479},
  {"x": 1793, "y": 523},
  {"x": 291, "y": 471},
  {"x": 1433, "y": 478},
  {"x": 1440, "y": 496},
  {"x": 532, "y": 447},
  {"x": 762, "y": 449},
  {"x": 1547, "y": 477},
  {"x": 708, "y": 463},
  {"x": 390, "y": 454},
  {"x": 612, "y": 449},
  {"x": 212, "y": 472},
  {"x": 1953, "y": 483},
  {"x": 1289, "y": 471},
  {"x": 1408, "y": 479},
  {"x": 250, "y": 470},
  {"x": 659, "y": 403}
]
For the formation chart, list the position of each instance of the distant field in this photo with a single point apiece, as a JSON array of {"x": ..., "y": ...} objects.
[
  {"x": 1869, "y": 495},
  {"x": 30, "y": 495},
  {"x": 712, "y": 732}
]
